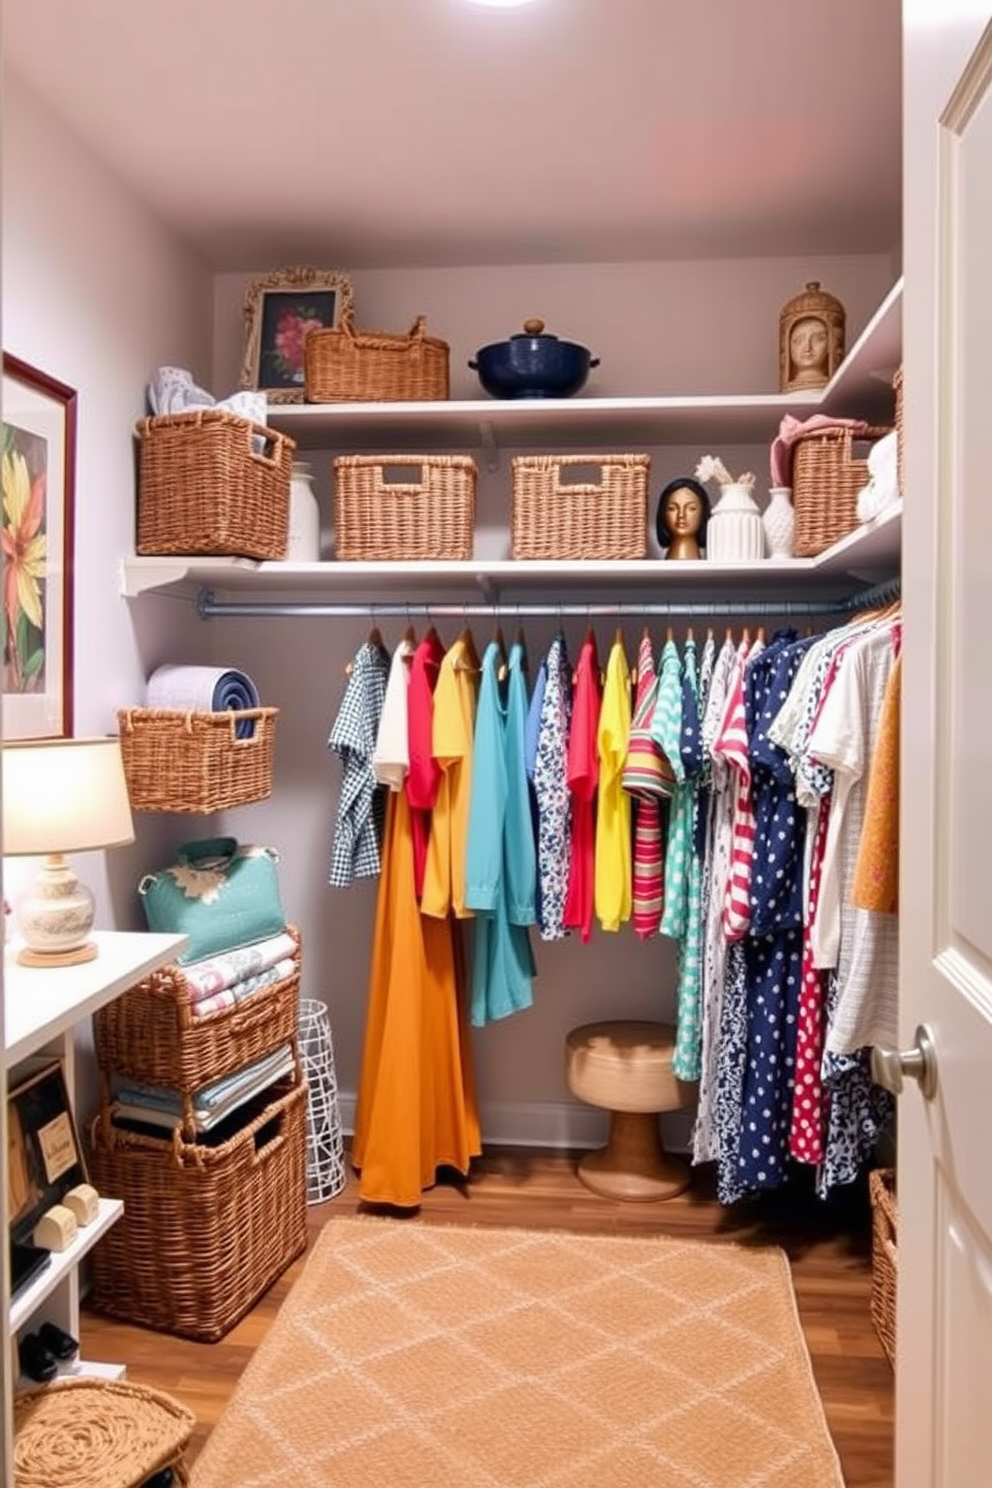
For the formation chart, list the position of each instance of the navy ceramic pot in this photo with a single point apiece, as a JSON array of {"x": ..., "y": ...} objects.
[{"x": 533, "y": 365}]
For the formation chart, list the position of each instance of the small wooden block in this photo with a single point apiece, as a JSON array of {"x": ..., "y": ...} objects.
[
  {"x": 84, "y": 1201},
  {"x": 56, "y": 1228}
]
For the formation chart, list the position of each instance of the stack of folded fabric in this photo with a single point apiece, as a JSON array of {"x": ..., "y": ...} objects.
[{"x": 151, "y": 1105}]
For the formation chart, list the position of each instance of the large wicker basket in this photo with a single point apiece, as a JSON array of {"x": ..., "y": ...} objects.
[
  {"x": 826, "y": 480},
  {"x": 210, "y": 482},
  {"x": 344, "y": 365},
  {"x": 153, "y": 1034},
  {"x": 424, "y": 509},
  {"x": 208, "y": 1225},
  {"x": 555, "y": 518},
  {"x": 884, "y": 1258},
  {"x": 197, "y": 763}
]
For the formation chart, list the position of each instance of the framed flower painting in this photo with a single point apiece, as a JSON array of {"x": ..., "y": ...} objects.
[
  {"x": 38, "y": 447},
  {"x": 280, "y": 310}
]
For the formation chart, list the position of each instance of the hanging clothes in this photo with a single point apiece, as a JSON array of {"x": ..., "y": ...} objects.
[
  {"x": 648, "y": 779},
  {"x": 416, "y": 1108},
  {"x": 612, "y": 866},
  {"x": 424, "y": 775},
  {"x": 583, "y": 779},
  {"x": 500, "y": 862},
  {"x": 688, "y": 1043},
  {"x": 361, "y": 806},
  {"x": 552, "y": 795},
  {"x": 453, "y": 730}
]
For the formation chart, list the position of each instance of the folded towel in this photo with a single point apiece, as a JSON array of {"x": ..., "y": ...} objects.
[
  {"x": 249, "y": 986},
  {"x": 215, "y": 974},
  {"x": 204, "y": 689}
]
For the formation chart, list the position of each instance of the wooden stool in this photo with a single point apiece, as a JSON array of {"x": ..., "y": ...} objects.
[{"x": 626, "y": 1068}]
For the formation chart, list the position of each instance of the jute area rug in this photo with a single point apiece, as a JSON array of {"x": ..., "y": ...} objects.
[{"x": 413, "y": 1355}]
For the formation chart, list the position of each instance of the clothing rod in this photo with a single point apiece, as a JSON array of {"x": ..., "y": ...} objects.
[{"x": 874, "y": 597}]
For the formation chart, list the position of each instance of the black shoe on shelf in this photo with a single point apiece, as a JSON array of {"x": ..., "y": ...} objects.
[
  {"x": 36, "y": 1361},
  {"x": 59, "y": 1343}
]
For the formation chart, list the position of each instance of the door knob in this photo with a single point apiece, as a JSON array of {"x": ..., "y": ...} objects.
[{"x": 890, "y": 1067}]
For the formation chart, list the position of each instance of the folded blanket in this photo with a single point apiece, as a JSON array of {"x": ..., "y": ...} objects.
[
  {"x": 248, "y": 987},
  {"x": 204, "y": 689},
  {"x": 156, "y": 1107},
  {"x": 209, "y": 1097},
  {"x": 214, "y": 974},
  {"x": 792, "y": 429}
]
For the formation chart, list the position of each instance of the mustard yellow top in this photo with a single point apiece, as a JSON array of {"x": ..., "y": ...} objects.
[
  {"x": 453, "y": 731},
  {"x": 875, "y": 884},
  {"x": 612, "y": 881}
]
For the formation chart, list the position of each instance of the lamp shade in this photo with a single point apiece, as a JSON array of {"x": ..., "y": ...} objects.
[{"x": 64, "y": 796}]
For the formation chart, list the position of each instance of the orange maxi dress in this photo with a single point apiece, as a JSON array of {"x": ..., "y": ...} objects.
[{"x": 416, "y": 1108}]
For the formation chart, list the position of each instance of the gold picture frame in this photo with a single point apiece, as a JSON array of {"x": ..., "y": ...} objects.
[{"x": 279, "y": 309}]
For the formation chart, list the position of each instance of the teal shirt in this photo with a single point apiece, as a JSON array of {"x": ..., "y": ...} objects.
[{"x": 500, "y": 869}]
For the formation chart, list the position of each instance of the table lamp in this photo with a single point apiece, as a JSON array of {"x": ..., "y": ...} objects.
[{"x": 61, "y": 796}]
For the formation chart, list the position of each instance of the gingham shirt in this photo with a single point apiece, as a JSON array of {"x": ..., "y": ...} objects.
[{"x": 361, "y": 804}]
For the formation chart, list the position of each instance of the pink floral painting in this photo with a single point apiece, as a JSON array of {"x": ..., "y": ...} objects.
[{"x": 287, "y": 320}]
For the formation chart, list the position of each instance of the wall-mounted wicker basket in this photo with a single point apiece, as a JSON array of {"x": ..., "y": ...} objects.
[
  {"x": 597, "y": 519},
  {"x": 197, "y": 763},
  {"x": 210, "y": 482},
  {"x": 344, "y": 365},
  {"x": 400, "y": 508},
  {"x": 826, "y": 480}
]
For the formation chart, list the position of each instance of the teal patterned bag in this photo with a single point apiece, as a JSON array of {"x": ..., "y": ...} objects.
[{"x": 219, "y": 892}]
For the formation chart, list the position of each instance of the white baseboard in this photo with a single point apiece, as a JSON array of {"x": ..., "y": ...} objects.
[{"x": 553, "y": 1124}]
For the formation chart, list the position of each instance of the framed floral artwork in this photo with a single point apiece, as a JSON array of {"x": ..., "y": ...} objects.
[
  {"x": 280, "y": 309},
  {"x": 37, "y": 536}
]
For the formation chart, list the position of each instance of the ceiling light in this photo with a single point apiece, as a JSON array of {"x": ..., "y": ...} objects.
[{"x": 501, "y": 4}]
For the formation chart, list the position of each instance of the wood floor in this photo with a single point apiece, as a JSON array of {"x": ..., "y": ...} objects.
[{"x": 828, "y": 1244}]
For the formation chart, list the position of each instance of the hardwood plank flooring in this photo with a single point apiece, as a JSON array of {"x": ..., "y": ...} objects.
[{"x": 828, "y": 1243}]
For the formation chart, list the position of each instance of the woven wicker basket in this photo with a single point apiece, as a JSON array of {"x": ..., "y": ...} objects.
[
  {"x": 207, "y": 1226},
  {"x": 826, "y": 480},
  {"x": 900, "y": 436},
  {"x": 204, "y": 487},
  {"x": 152, "y": 1033},
  {"x": 553, "y": 518},
  {"x": 344, "y": 365},
  {"x": 884, "y": 1259},
  {"x": 94, "y": 1433},
  {"x": 399, "y": 520},
  {"x": 195, "y": 763}
]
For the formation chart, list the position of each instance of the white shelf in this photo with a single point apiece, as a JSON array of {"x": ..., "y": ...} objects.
[
  {"x": 78, "y": 1369},
  {"x": 861, "y": 387},
  {"x": 61, "y": 1265},
  {"x": 868, "y": 554},
  {"x": 42, "y": 1004}
]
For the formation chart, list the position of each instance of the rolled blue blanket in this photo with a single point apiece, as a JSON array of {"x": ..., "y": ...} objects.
[{"x": 204, "y": 689}]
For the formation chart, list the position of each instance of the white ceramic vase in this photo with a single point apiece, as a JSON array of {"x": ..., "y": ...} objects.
[
  {"x": 779, "y": 521},
  {"x": 303, "y": 545},
  {"x": 734, "y": 533}
]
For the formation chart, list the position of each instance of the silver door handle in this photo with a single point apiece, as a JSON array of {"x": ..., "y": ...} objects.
[{"x": 890, "y": 1067}]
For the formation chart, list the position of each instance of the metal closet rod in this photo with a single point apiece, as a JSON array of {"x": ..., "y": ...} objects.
[{"x": 874, "y": 597}]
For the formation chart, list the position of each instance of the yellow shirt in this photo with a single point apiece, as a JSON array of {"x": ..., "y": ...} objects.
[
  {"x": 612, "y": 890},
  {"x": 451, "y": 742}
]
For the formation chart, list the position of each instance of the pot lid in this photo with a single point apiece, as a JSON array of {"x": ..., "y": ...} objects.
[{"x": 531, "y": 329}]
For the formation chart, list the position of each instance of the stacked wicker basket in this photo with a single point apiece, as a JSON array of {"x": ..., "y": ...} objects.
[{"x": 209, "y": 1221}]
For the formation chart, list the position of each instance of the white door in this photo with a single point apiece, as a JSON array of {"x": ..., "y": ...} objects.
[{"x": 944, "y": 1367}]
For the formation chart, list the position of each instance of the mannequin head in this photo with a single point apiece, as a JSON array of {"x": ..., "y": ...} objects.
[
  {"x": 809, "y": 352},
  {"x": 683, "y": 512}
]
